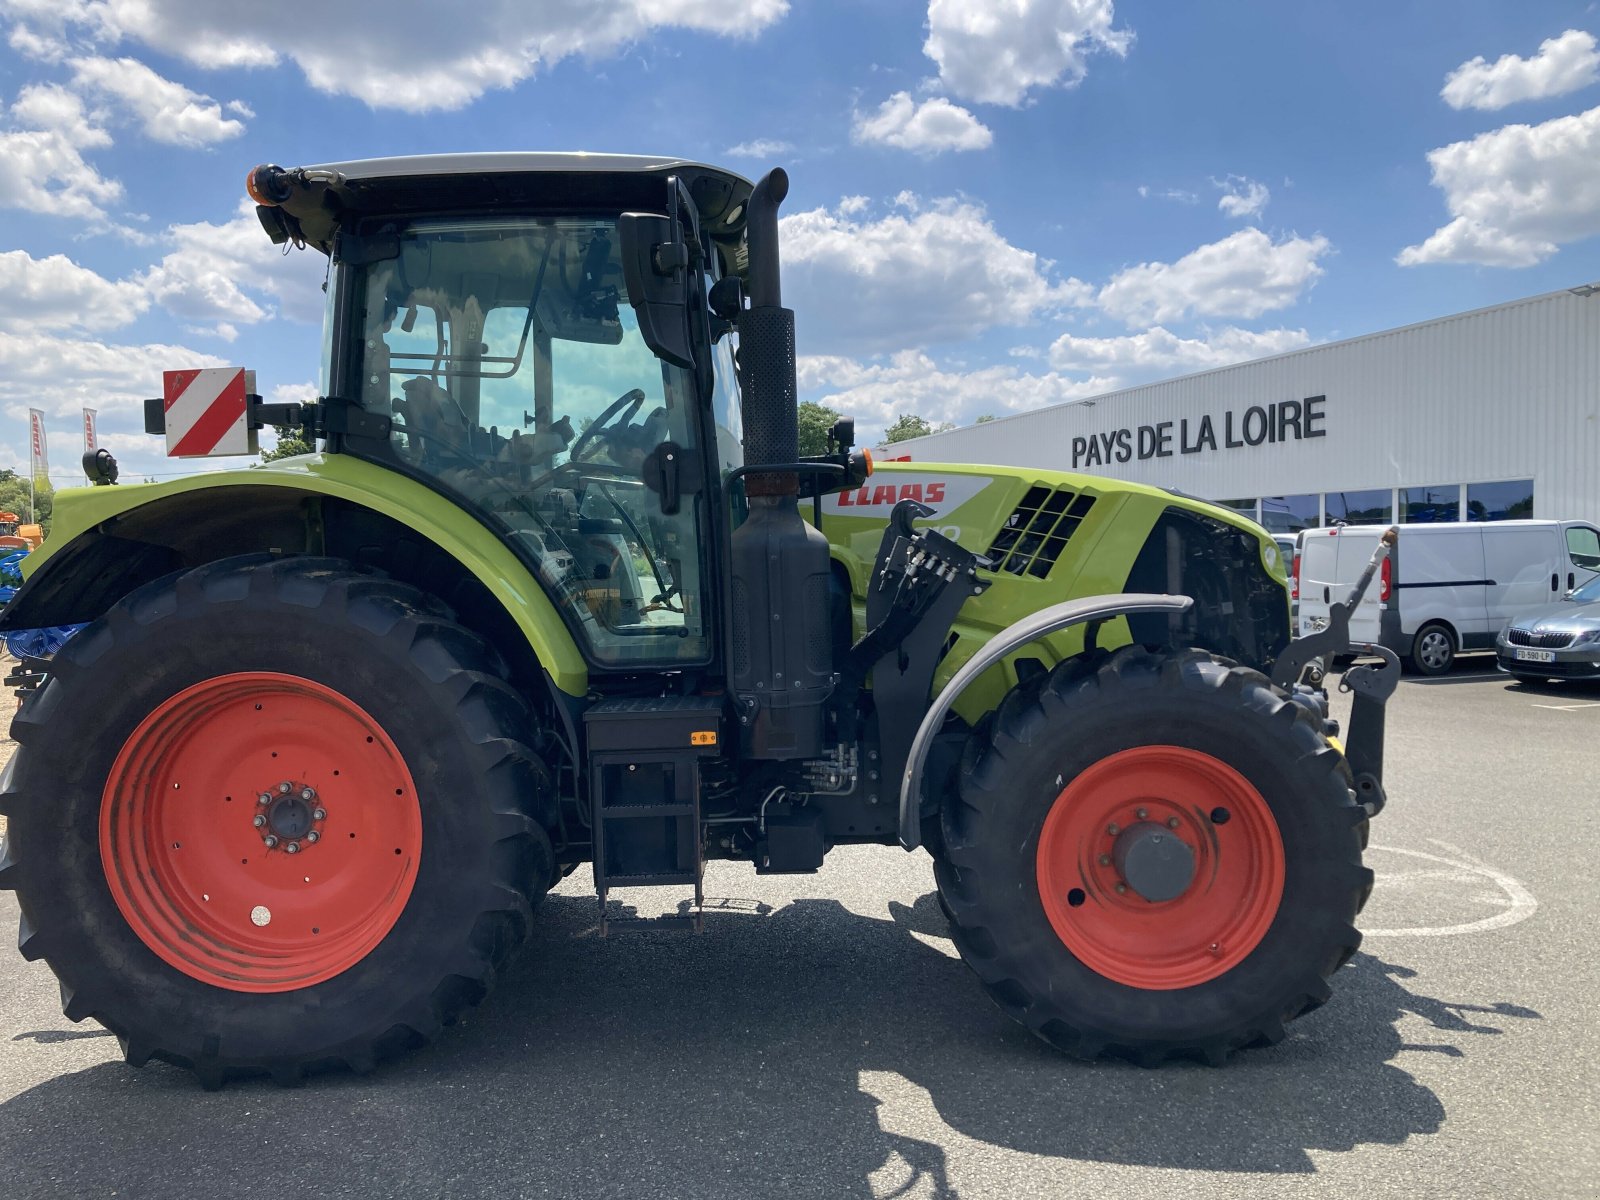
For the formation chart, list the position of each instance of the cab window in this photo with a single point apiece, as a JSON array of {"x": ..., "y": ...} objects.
[{"x": 512, "y": 368}]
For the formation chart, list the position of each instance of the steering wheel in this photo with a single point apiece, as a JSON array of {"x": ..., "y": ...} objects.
[{"x": 632, "y": 401}]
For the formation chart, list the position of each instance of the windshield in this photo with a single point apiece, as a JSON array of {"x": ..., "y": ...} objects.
[
  {"x": 510, "y": 363},
  {"x": 1589, "y": 593}
]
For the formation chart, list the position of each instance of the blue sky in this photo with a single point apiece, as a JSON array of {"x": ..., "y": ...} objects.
[{"x": 997, "y": 204}]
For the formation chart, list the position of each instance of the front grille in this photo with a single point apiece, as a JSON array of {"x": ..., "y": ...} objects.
[
  {"x": 1034, "y": 535},
  {"x": 1545, "y": 641}
]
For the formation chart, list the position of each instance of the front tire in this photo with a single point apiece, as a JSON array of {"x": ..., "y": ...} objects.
[
  {"x": 275, "y": 816},
  {"x": 1191, "y": 960}
]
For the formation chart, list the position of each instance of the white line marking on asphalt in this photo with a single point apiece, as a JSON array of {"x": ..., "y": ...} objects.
[
  {"x": 1566, "y": 707},
  {"x": 1522, "y": 903}
]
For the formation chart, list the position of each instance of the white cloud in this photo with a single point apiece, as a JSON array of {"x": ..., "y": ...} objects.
[
  {"x": 57, "y": 293},
  {"x": 1563, "y": 64},
  {"x": 911, "y": 278},
  {"x": 1243, "y": 275},
  {"x": 1516, "y": 193},
  {"x": 1146, "y": 192},
  {"x": 929, "y": 128},
  {"x": 1159, "y": 352},
  {"x": 42, "y": 168},
  {"x": 877, "y": 391},
  {"x": 1242, "y": 197},
  {"x": 213, "y": 270},
  {"x": 166, "y": 111},
  {"x": 760, "y": 148},
  {"x": 995, "y": 51},
  {"x": 404, "y": 54},
  {"x": 62, "y": 375}
]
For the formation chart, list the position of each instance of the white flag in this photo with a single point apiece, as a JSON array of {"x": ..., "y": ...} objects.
[
  {"x": 91, "y": 443},
  {"x": 41, "y": 449}
]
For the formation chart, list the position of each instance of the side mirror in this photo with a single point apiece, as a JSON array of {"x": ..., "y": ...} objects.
[{"x": 657, "y": 270}]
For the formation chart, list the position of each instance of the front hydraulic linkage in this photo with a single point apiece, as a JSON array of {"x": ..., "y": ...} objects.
[{"x": 1370, "y": 684}]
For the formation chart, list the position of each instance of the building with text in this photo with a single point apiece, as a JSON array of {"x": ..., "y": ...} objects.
[{"x": 1487, "y": 415}]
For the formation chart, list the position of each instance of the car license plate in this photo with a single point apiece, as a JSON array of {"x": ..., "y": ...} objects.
[{"x": 1535, "y": 655}]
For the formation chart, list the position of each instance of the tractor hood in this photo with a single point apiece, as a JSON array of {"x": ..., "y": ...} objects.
[{"x": 311, "y": 204}]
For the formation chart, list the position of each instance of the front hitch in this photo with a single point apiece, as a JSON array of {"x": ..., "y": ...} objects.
[{"x": 1370, "y": 684}]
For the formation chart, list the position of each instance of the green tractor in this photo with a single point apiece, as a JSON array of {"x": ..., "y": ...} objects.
[{"x": 558, "y": 588}]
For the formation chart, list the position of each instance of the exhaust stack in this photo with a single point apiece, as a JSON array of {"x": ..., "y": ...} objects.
[{"x": 780, "y": 653}]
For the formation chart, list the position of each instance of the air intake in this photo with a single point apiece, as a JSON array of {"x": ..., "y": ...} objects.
[{"x": 1034, "y": 536}]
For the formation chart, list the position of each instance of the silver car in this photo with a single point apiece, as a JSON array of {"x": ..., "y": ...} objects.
[{"x": 1559, "y": 642}]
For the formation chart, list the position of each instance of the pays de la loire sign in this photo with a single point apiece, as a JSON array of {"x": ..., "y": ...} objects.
[{"x": 1258, "y": 425}]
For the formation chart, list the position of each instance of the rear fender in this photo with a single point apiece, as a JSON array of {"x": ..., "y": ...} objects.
[{"x": 106, "y": 541}]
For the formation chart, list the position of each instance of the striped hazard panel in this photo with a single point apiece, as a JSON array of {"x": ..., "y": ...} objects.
[{"x": 205, "y": 412}]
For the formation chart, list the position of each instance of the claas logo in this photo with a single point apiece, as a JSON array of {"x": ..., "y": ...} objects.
[{"x": 888, "y": 495}]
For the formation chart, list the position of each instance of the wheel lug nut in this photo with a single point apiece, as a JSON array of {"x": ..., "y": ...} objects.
[
  {"x": 313, "y": 836},
  {"x": 270, "y": 841},
  {"x": 293, "y": 848},
  {"x": 320, "y": 814},
  {"x": 1121, "y": 888},
  {"x": 285, "y": 787},
  {"x": 1113, "y": 829},
  {"x": 1141, "y": 813},
  {"x": 1105, "y": 860},
  {"x": 264, "y": 798},
  {"x": 1172, "y": 822},
  {"x": 259, "y": 821},
  {"x": 307, "y": 794}
]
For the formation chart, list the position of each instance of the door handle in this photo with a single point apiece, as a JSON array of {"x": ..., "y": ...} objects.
[
  {"x": 1327, "y": 595},
  {"x": 1571, "y": 581},
  {"x": 1555, "y": 581}
]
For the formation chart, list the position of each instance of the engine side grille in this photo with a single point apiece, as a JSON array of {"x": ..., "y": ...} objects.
[
  {"x": 1034, "y": 536},
  {"x": 1545, "y": 641}
]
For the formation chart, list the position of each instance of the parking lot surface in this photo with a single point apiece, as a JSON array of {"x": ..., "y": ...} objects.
[{"x": 821, "y": 1039}]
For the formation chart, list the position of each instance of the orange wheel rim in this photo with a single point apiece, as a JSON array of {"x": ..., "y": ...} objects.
[
  {"x": 260, "y": 832},
  {"x": 1118, "y": 814}
]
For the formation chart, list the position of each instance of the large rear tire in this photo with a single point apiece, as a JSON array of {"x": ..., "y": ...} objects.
[
  {"x": 1153, "y": 856},
  {"x": 275, "y": 816}
]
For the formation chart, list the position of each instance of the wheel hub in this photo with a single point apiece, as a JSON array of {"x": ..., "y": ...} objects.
[
  {"x": 289, "y": 816},
  {"x": 1153, "y": 861}
]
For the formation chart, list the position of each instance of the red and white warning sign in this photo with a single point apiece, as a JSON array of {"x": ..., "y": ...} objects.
[{"x": 206, "y": 412}]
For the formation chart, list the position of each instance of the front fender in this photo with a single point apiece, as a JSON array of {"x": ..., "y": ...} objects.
[
  {"x": 1040, "y": 624},
  {"x": 73, "y": 562}
]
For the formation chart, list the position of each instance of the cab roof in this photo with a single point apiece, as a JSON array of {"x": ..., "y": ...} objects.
[{"x": 327, "y": 197}]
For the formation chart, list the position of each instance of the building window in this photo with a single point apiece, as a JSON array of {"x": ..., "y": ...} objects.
[
  {"x": 1291, "y": 514},
  {"x": 1243, "y": 507},
  {"x": 1373, "y": 507},
  {"x": 1500, "y": 501},
  {"x": 1421, "y": 505}
]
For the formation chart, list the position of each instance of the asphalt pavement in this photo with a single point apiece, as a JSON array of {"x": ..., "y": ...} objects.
[{"x": 820, "y": 1039}]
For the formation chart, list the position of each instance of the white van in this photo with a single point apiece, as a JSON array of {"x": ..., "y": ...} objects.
[{"x": 1445, "y": 588}]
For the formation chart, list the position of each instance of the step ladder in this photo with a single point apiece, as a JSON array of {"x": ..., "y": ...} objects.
[{"x": 644, "y": 792}]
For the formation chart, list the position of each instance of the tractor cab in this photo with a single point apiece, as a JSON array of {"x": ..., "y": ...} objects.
[{"x": 504, "y": 332}]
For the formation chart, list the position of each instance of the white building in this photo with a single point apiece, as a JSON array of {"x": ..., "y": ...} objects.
[{"x": 1486, "y": 415}]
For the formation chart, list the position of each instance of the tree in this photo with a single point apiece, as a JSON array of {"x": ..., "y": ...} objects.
[
  {"x": 912, "y": 426},
  {"x": 14, "y": 497},
  {"x": 291, "y": 441},
  {"x": 985, "y": 419},
  {"x": 815, "y": 421}
]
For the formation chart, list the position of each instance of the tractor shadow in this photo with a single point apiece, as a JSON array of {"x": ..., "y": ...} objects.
[{"x": 806, "y": 1051}]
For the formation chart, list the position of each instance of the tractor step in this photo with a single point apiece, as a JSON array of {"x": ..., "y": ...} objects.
[{"x": 644, "y": 772}]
